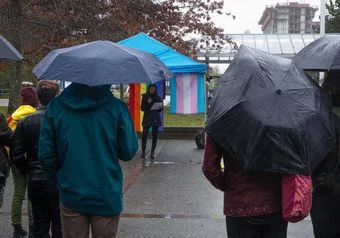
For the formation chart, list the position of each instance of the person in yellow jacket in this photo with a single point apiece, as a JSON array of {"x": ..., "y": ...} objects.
[{"x": 29, "y": 103}]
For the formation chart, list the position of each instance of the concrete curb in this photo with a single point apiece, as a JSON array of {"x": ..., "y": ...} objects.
[{"x": 179, "y": 133}]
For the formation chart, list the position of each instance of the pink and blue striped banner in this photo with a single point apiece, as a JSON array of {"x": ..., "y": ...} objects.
[{"x": 187, "y": 94}]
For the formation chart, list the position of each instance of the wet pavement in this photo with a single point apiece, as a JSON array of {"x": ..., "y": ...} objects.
[{"x": 169, "y": 198}]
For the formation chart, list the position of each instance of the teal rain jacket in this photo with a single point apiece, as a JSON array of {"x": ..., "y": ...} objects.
[{"x": 86, "y": 130}]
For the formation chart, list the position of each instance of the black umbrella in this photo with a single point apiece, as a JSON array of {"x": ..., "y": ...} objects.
[
  {"x": 7, "y": 51},
  {"x": 320, "y": 55},
  {"x": 270, "y": 116}
]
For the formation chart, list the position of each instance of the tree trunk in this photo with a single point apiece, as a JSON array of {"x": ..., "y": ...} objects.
[
  {"x": 16, "y": 67},
  {"x": 15, "y": 87}
]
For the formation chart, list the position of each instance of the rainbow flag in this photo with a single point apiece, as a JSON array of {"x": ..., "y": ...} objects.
[
  {"x": 136, "y": 91},
  {"x": 187, "y": 94}
]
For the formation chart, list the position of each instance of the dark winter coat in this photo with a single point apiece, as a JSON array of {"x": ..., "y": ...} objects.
[
  {"x": 24, "y": 149},
  {"x": 151, "y": 117},
  {"x": 327, "y": 175},
  {"x": 5, "y": 140}
]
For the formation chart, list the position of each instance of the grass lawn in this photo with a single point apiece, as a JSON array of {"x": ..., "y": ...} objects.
[
  {"x": 3, "y": 110},
  {"x": 178, "y": 120},
  {"x": 170, "y": 120}
]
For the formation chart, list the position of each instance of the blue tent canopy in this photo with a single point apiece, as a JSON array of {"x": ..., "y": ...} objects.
[{"x": 175, "y": 61}]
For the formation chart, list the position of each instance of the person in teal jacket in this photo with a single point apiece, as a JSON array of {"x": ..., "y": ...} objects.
[{"x": 86, "y": 131}]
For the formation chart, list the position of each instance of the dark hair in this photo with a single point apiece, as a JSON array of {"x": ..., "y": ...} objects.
[
  {"x": 152, "y": 85},
  {"x": 47, "y": 90}
]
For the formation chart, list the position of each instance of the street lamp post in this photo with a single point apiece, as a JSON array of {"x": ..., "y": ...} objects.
[
  {"x": 322, "y": 17},
  {"x": 322, "y": 29}
]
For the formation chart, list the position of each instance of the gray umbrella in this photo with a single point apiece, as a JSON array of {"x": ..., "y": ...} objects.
[
  {"x": 320, "y": 55},
  {"x": 100, "y": 63},
  {"x": 7, "y": 51}
]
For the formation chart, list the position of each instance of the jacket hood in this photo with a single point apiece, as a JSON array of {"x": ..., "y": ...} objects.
[
  {"x": 22, "y": 112},
  {"x": 79, "y": 96}
]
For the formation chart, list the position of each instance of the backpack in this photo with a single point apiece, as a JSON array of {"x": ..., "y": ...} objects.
[
  {"x": 296, "y": 197},
  {"x": 200, "y": 139}
]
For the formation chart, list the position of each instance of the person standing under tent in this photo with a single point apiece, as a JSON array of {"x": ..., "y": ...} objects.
[{"x": 151, "y": 118}]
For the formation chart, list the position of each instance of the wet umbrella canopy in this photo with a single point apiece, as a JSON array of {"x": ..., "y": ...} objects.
[
  {"x": 7, "y": 51},
  {"x": 100, "y": 63},
  {"x": 320, "y": 55},
  {"x": 270, "y": 116}
]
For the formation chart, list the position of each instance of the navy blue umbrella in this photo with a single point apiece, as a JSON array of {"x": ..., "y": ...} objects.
[
  {"x": 7, "y": 51},
  {"x": 100, "y": 63}
]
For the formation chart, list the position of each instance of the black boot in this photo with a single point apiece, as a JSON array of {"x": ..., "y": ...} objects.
[
  {"x": 152, "y": 155},
  {"x": 30, "y": 232},
  {"x": 19, "y": 232},
  {"x": 143, "y": 154}
]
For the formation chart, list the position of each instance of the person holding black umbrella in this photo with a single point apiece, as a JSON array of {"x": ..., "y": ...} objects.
[
  {"x": 325, "y": 211},
  {"x": 268, "y": 121},
  {"x": 252, "y": 201}
]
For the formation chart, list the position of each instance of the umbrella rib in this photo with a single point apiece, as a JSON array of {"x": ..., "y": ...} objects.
[
  {"x": 143, "y": 68},
  {"x": 261, "y": 65},
  {"x": 11, "y": 48},
  {"x": 315, "y": 143},
  {"x": 296, "y": 100},
  {"x": 95, "y": 63},
  {"x": 140, "y": 63},
  {"x": 286, "y": 74},
  {"x": 285, "y": 105}
]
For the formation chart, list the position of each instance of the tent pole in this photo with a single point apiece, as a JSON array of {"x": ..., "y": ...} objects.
[
  {"x": 205, "y": 99},
  {"x": 205, "y": 107},
  {"x": 205, "y": 96},
  {"x": 205, "y": 89},
  {"x": 322, "y": 31}
]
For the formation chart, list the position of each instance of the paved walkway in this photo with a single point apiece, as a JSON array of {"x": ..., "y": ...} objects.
[
  {"x": 167, "y": 199},
  {"x": 3, "y": 102}
]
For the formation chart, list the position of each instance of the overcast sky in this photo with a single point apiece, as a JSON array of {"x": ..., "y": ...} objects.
[{"x": 248, "y": 14}]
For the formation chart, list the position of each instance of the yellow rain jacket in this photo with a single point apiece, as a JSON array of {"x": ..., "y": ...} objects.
[{"x": 19, "y": 114}]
